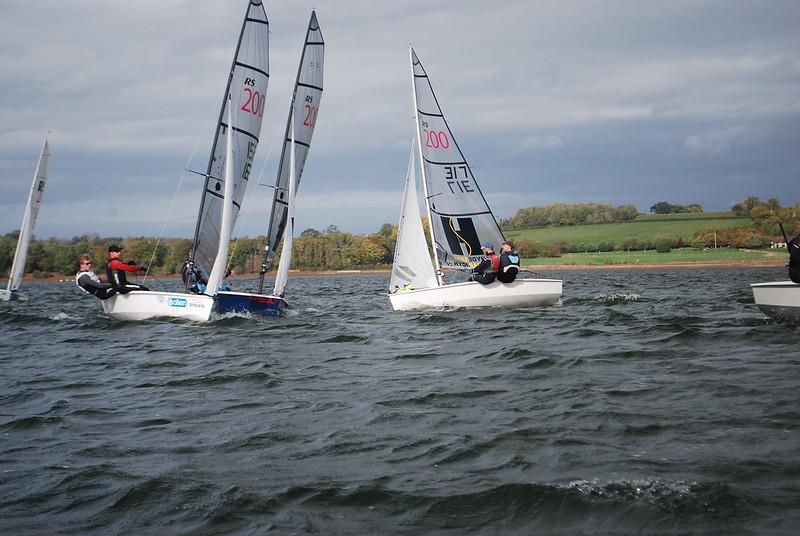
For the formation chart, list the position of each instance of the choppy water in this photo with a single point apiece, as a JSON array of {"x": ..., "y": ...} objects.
[{"x": 651, "y": 402}]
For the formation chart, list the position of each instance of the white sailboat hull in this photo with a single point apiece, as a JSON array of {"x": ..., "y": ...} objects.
[
  {"x": 520, "y": 293},
  {"x": 778, "y": 299},
  {"x": 141, "y": 305},
  {"x": 6, "y": 295}
]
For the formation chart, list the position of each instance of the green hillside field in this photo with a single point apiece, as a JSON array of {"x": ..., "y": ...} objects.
[
  {"x": 675, "y": 256},
  {"x": 643, "y": 228}
]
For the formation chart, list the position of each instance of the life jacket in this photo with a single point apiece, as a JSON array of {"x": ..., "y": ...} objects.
[
  {"x": 509, "y": 266},
  {"x": 495, "y": 266},
  {"x": 92, "y": 275},
  {"x": 117, "y": 278}
]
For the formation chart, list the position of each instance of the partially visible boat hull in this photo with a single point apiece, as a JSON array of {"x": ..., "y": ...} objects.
[
  {"x": 244, "y": 302},
  {"x": 6, "y": 295},
  {"x": 778, "y": 299},
  {"x": 144, "y": 304},
  {"x": 520, "y": 293}
]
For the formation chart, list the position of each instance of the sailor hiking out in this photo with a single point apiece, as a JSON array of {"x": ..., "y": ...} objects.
[
  {"x": 486, "y": 272},
  {"x": 115, "y": 271},
  {"x": 88, "y": 281}
]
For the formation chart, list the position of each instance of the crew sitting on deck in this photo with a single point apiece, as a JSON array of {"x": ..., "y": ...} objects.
[
  {"x": 509, "y": 263},
  {"x": 486, "y": 271},
  {"x": 794, "y": 259},
  {"x": 88, "y": 281},
  {"x": 115, "y": 270}
]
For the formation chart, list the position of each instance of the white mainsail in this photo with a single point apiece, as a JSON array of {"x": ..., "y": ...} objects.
[
  {"x": 286, "y": 251},
  {"x": 249, "y": 75},
  {"x": 29, "y": 219},
  {"x": 303, "y": 116},
  {"x": 460, "y": 219},
  {"x": 412, "y": 264}
]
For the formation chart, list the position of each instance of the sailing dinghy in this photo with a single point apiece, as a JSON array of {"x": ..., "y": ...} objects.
[
  {"x": 303, "y": 111},
  {"x": 778, "y": 299},
  {"x": 460, "y": 221},
  {"x": 230, "y": 162},
  {"x": 28, "y": 223}
]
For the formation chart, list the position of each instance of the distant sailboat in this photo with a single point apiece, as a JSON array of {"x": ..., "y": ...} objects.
[
  {"x": 460, "y": 221},
  {"x": 28, "y": 224},
  {"x": 230, "y": 162},
  {"x": 303, "y": 111},
  {"x": 781, "y": 299}
]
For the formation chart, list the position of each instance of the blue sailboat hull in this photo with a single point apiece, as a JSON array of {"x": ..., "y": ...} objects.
[{"x": 243, "y": 302}]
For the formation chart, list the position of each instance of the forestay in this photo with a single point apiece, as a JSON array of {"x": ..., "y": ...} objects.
[
  {"x": 304, "y": 108},
  {"x": 412, "y": 264},
  {"x": 29, "y": 219},
  {"x": 460, "y": 218},
  {"x": 247, "y": 85}
]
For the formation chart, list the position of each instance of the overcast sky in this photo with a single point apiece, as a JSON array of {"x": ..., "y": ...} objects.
[{"x": 551, "y": 101}]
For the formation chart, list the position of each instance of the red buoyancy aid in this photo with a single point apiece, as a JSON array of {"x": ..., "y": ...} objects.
[{"x": 495, "y": 267}]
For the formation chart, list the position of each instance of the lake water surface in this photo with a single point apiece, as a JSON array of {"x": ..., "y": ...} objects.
[{"x": 650, "y": 402}]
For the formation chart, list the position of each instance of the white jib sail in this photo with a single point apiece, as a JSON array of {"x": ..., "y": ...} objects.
[
  {"x": 460, "y": 219},
  {"x": 247, "y": 84},
  {"x": 286, "y": 251},
  {"x": 29, "y": 219},
  {"x": 226, "y": 221},
  {"x": 304, "y": 109},
  {"x": 412, "y": 261}
]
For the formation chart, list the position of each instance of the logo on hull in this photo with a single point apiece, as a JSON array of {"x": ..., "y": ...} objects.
[{"x": 176, "y": 302}]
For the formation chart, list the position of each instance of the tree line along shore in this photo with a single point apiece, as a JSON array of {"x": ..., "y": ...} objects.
[{"x": 563, "y": 235}]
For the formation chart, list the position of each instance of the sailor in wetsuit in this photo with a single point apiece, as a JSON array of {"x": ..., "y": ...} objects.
[
  {"x": 509, "y": 263},
  {"x": 88, "y": 281},
  {"x": 115, "y": 270},
  {"x": 486, "y": 271}
]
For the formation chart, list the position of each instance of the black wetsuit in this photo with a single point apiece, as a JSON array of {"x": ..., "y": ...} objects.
[
  {"x": 117, "y": 277},
  {"x": 794, "y": 259},
  {"x": 486, "y": 271},
  {"x": 509, "y": 266},
  {"x": 88, "y": 282}
]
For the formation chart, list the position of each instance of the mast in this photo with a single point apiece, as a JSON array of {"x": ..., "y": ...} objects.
[
  {"x": 422, "y": 167},
  {"x": 286, "y": 251}
]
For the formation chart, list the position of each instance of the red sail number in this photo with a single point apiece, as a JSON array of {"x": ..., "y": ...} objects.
[
  {"x": 255, "y": 102},
  {"x": 311, "y": 116},
  {"x": 436, "y": 139}
]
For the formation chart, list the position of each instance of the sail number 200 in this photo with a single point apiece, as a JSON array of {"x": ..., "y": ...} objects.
[
  {"x": 435, "y": 139},
  {"x": 255, "y": 102}
]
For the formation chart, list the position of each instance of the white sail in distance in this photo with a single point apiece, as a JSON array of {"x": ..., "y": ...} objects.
[
  {"x": 247, "y": 85},
  {"x": 412, "y": 261},
  {"x": 29, "y": 219},
  {"x": 304, "y": 108},
  {"x": 460, "y": 218}
]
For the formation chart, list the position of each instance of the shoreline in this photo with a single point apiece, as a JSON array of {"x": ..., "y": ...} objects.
[{"x": 528, "y": 267}]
